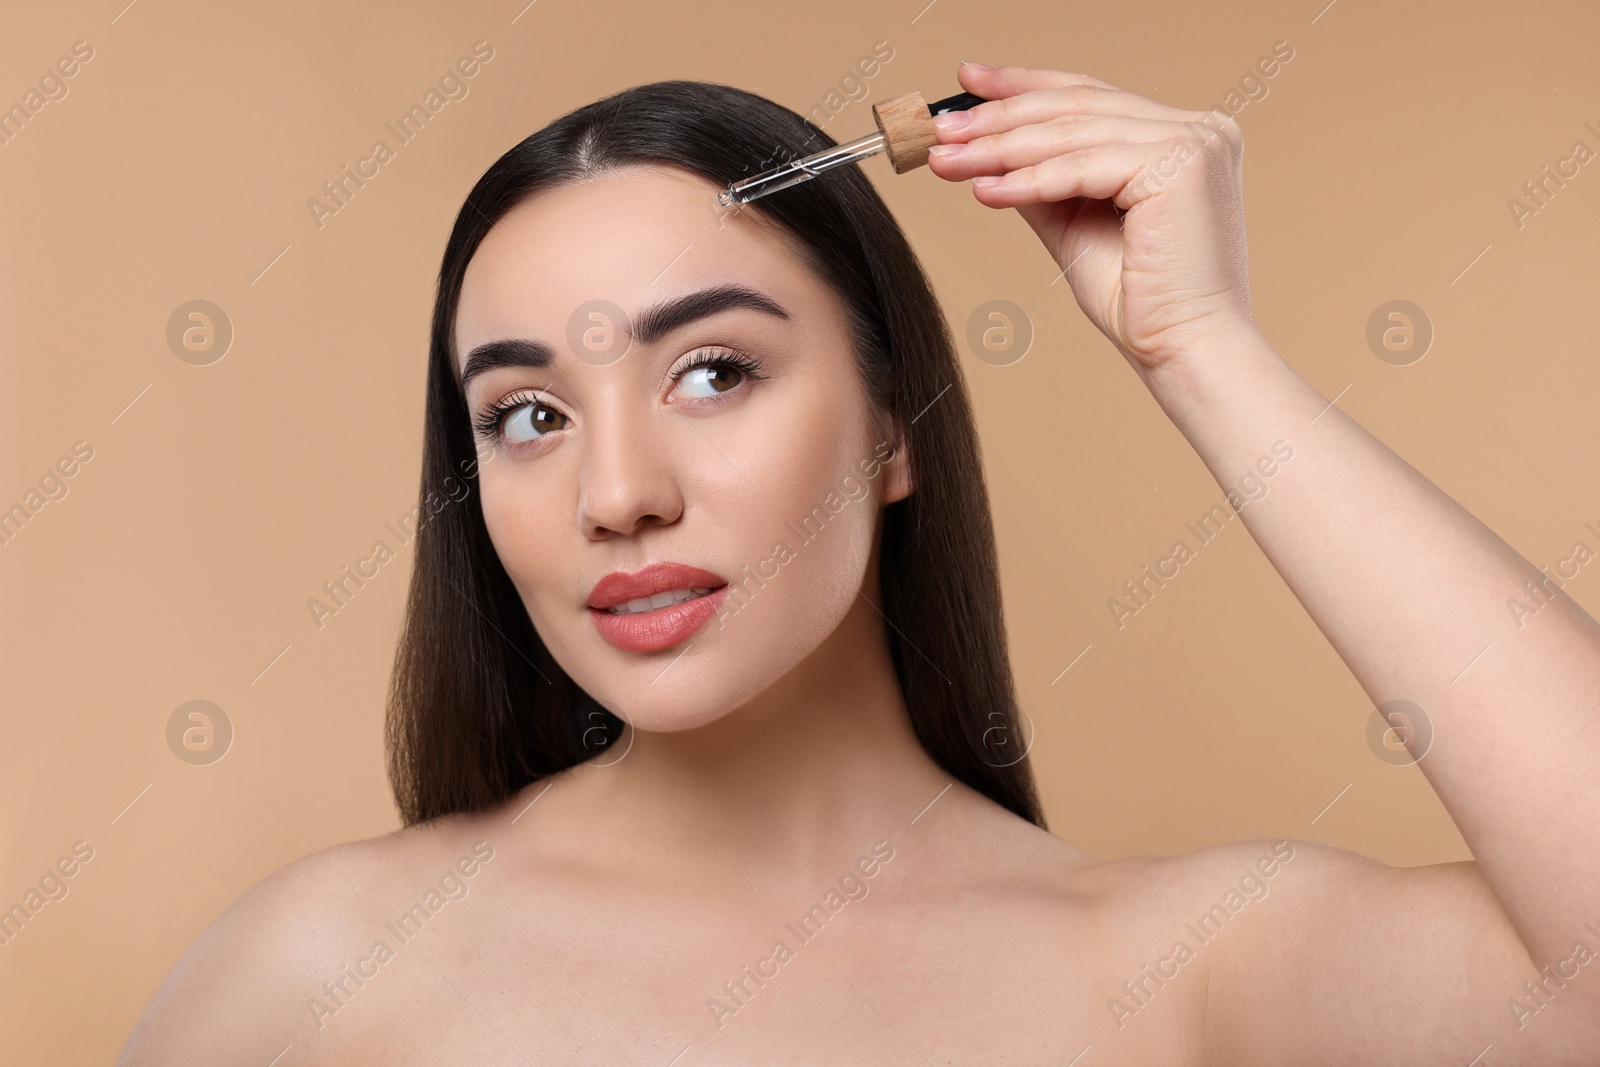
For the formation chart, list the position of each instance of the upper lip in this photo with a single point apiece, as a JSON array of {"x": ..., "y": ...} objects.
[{"x": 619, "y": 587}]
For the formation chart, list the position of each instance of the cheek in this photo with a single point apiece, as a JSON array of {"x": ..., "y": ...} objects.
[
  {"x": 808, "y": 463},
  {"x": 525, "y": 533},
  {"x": 832, "y": 551}
]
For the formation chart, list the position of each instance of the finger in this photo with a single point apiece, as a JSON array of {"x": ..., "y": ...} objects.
[
  {"x": 1042, "y": 105},
  {"x": 1031, "y": 144},
  {"x": 1009, "y": 81},
  {"x": 1116, "y": 172}
]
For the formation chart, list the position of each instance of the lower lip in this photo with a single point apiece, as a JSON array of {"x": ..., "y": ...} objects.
[{"x": 652, "y": 631}]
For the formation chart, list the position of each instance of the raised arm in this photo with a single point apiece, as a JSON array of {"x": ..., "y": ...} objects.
[{"x": 1140, "y": 204}]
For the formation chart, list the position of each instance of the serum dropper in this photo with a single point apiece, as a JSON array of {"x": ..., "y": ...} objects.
[{"x": 905, "y": 131}]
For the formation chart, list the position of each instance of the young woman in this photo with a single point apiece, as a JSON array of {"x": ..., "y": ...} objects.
[{"x": 702, "y": 726}]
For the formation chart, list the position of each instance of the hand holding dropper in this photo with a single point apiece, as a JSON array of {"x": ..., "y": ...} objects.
[{"x": 905, "y": 131}]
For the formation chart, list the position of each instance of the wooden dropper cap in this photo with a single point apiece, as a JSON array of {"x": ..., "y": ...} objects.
[{"x": 906, "y": 122}]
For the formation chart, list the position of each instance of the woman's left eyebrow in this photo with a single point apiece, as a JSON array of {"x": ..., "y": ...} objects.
[
  {"x": 656, "y": 322},
  {"x": 649, "y": 325}
]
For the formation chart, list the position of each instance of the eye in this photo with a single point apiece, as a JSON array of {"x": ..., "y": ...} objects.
[
  {"x": 519, "y": 419},
  {"x": 530, "y": 421},
  {"x": 716, "y": 371}
]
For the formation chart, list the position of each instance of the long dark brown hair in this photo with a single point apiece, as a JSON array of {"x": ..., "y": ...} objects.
[{"x": 478, "y": 707}]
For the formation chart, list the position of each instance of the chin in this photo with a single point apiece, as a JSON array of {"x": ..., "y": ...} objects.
[
  {"x": 676, "y": 690},
  {"x": 729, "y": 662}
]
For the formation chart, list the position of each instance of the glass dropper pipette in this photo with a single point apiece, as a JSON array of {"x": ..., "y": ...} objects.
[{"x": 808, "y": 167}]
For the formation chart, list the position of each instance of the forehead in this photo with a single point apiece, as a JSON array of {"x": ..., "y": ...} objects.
[{"x": 630, "y": 236}]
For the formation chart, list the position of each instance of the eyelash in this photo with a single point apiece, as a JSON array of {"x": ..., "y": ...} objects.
[{"x": 488, "y": 424}]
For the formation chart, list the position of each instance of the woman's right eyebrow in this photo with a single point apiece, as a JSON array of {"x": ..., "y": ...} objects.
[{"x": 510, "y": 352}]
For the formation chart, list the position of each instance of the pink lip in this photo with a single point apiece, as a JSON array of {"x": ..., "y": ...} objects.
[{"x": 652, "y": 631}]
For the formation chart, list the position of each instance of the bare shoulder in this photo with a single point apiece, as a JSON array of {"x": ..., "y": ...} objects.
[
  {"x": 1294, "y": 938},
  {"x": 1163, "y": 913},
  {"x": 1317, "y": 891},
  {"x": 238, "y": 992},
  {"x": 1302, "y": 877},
  {"x": 1126, "y": 894},
  {"x": 1154, "y": 931},
  {"x": 1233, "y": 899}
]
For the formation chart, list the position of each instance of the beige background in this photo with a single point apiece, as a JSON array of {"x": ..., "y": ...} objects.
[{"x": 178, "y": 567}]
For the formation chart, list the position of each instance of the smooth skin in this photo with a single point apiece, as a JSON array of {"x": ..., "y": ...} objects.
[
  {"x": 620, "y": 895},
  {"x": 1375, "y": 965}
]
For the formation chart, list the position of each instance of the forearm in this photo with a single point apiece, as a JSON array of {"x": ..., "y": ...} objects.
[{"x": 1413, "y": 592}]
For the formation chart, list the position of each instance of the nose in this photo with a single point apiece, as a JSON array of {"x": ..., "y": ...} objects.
[{"x": 626, "y": 480}]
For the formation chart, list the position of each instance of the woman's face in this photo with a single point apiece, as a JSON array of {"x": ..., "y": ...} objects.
[{"x": 636, "y": 423}]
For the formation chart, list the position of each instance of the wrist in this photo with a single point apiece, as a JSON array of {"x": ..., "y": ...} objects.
[{"x": 1220, "y": 364}]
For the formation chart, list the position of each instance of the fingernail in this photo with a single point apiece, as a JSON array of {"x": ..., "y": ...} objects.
[
  {"x": 952, "y": 120},
  {"x": 980, "y": 66},
  {"x": 942, "y": 150},
  {"x": 987, "y": 181}
]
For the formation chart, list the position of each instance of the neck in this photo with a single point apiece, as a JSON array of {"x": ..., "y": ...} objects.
[{"x": 812, "y": 771}]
